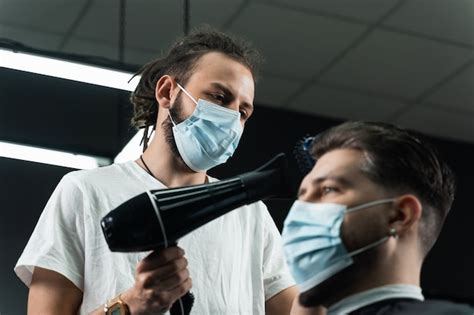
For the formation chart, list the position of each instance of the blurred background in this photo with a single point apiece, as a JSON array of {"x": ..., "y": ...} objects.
[{"x": 407, "y": 62}]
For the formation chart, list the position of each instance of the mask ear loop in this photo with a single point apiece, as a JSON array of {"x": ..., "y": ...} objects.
[
  {"x": 370, "y": 204},
  {"x": 185, "y": 92},
  {"x": 392, "y": 231},
  {"x": 172, "y": 121}
]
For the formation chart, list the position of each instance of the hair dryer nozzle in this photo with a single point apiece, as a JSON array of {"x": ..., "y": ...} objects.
[
  {"x": 269, "y": 180},
  {"x": 132, "y": 225}
]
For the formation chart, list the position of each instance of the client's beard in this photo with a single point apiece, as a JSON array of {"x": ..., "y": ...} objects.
[{"x": 343, "y": 283}]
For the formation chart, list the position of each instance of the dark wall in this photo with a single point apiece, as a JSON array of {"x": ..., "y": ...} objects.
[
  {"x": 62, "y": 114},
  {"x": 448, "y": 270},
  {"x": 25, "y": 188}
]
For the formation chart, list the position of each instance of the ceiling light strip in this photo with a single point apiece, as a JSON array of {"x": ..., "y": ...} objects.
[
  {"x": 67, "y": 70},
  {"x": 52, "y": 157}
]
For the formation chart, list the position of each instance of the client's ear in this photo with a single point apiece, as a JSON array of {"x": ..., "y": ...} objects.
[{"x": 407, "y": 212}]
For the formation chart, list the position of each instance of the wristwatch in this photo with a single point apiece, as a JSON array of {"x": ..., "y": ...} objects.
[{"x": 116, "y": 306}]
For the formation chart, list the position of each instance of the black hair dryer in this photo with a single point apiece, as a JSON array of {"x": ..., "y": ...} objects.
[{"x": 158, "y": 218}]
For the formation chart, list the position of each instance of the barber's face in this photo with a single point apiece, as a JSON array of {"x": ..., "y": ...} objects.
[
  {"x": 222, "y": 81},
  {"x": 218, "y": 79}
]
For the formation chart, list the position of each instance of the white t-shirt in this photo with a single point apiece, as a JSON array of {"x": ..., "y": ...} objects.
[{"x": 236, "y": 261}]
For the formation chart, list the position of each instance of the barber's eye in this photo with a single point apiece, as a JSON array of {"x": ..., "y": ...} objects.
[{"x": 218, "y": 97}]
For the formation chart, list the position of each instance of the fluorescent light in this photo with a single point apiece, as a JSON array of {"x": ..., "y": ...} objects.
[
  {"x": 67, "y": 70},
  {"x": 53, "y": 157},
  {"x": 132, "y": 149}
]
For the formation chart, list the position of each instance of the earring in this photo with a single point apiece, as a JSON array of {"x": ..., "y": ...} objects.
[{"x": 393, "y": 232}]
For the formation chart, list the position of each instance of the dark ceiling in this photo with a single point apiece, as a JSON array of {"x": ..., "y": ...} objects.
[{"x": 408, "y": 62}]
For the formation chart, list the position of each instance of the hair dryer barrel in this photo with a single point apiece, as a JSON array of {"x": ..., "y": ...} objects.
[{"x": 159, "y": 218}]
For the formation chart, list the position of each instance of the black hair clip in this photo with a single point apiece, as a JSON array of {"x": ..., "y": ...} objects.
[{"x": 302, "y": 155}]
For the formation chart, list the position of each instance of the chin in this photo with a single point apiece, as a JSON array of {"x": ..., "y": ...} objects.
[{"x": 331, "y": 290}]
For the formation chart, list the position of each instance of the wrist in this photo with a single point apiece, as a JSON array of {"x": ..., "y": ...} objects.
[{"x": 116, "y": 306}]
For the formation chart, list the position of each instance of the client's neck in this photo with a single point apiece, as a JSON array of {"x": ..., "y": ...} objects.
[{"x": 389, "y": 270}]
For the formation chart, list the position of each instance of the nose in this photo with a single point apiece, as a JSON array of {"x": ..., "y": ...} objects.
[
  {"x": 308, "y": 192},
  {"x": 303, "y": 192},
  {"x": 234, "y": 105}
]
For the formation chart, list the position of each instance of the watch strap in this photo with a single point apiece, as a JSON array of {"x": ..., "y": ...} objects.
[{"x": 110, "y": 305}]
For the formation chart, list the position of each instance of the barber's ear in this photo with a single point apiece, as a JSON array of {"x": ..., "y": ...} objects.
[
  {"x": 407, "y": 212},
  {"x": 165, "y": 91}
]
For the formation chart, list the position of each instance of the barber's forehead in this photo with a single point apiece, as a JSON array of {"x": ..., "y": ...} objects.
[
  {"x": 216, "y": 67},
  {"x": 218, "y": 60}
]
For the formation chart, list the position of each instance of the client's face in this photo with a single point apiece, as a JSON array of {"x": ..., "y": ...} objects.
[{"x": 338, "y": 178}]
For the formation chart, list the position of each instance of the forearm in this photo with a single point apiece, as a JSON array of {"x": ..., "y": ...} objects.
[{"x": 281, "y": 303}]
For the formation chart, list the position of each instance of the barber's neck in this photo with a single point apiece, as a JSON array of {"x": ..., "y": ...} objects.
[{"x": 166, "y": 167}]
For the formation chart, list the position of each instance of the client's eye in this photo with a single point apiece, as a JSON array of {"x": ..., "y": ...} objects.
[{"x": 328, "y": 189}]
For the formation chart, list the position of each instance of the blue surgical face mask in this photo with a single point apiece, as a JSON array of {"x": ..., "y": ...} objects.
[
  {"x": 209, "y": 136},
  {"x": 312, "y": 241}
]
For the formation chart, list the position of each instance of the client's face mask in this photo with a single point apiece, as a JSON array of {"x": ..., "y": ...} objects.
[
  {"x": 209, "y": 136},
  {"x": 312, "y": 242}
]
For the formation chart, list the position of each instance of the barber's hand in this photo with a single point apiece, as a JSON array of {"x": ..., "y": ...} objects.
[{"x": 162, "y": 278}]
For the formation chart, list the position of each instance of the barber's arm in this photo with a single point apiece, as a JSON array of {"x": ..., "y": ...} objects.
[
  {"x": 52, "y": 293},
  {"x": 280, "y": 304},
  {"x": 297, "y": 309}
]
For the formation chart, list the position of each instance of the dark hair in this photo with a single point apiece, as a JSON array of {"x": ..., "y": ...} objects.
[
  {"x": 401, "y": 162},
  {"x": 180, "y": 62}
]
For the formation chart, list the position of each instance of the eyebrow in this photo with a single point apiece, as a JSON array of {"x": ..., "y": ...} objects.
[
  {"x": 218, "y": 85},
  {"x": 341, "y": 180}
]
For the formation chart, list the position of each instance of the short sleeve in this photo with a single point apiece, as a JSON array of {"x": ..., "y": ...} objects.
[
  {"x": 276, "y": 276},
  {"x": 57, "y": 242}
]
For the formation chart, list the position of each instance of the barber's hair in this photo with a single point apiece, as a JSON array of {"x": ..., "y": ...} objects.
[
  {"x": 401, "y": 162},
  {"x": 180, "y": 62}
]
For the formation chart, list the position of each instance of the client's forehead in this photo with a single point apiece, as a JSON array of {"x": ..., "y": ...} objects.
[{"x": 340, "y": 163}]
